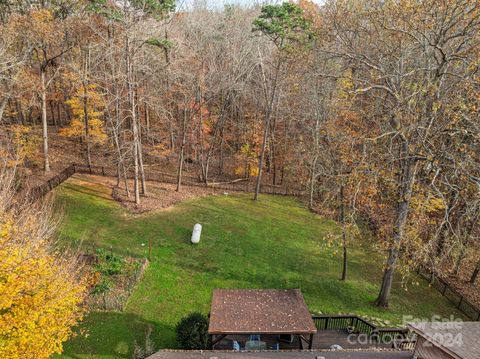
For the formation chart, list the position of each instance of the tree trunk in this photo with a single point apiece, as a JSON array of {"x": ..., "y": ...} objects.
[
  {"x": 21, "y": 119},
  {"x": 459, "y": 260},
  {"x": 3, "y": 104},
  {"x": 133, "y": 110},
  {"x": 475, "y": 272},
  {"x": 312, "y": 182},
  {"x": 405, "y": 185},
  {"x": 85, "y": 116},
  {"x": 182, "y": 149},
  {"x": 142, "y": 169},
  {"x": 220, "y": 163},
  {"x": 43, "y": 97},
  {"x": 218, "y": 129},
  {"x": 262, "y": 157},
  {"x": 266, "y": 124},
  {"x": 344, "y": 232},
  {"x": 52, "y": 113},
  {"x": 147, "y": 120}
]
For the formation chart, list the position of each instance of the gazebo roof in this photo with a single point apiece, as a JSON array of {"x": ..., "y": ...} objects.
[{"x": 254, "y": 311}]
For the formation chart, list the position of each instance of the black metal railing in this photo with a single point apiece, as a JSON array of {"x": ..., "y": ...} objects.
[{"x": 358, "y": 325}]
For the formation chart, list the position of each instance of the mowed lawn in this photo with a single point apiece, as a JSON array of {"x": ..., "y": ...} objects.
[{"x": 273, "y": 243}]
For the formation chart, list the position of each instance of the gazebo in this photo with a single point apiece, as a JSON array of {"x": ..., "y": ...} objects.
[{"x": 260, "y": 311}]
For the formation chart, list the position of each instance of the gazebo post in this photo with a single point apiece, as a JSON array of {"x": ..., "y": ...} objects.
[
  {"x": 214, "y": 339},
  {"x": 310, "y": 344}
]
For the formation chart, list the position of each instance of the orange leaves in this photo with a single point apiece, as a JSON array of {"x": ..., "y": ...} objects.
[{"x": 39, "y": 27}]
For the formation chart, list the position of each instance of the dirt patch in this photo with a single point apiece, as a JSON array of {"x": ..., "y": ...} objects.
[{"x": 159, "y": 195}]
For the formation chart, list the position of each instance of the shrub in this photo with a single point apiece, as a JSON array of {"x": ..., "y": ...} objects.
[
  {"x": 109, "y": 263},
  {"x": 192, "y": 332}
]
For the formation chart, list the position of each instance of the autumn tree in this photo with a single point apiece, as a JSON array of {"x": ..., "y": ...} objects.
[
  {"x": 87, "y": 107},
  {"x": 41, "y": 290},
  {"x": 43, "y": 32},
  {"x": 405, "y": 62},
  {"x": 286, "y": 27}
]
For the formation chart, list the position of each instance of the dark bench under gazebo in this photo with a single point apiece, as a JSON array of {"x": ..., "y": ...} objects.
[{"x": 260, "y": 312}]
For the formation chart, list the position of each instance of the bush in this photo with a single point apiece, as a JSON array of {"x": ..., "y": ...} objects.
[
  {"x": 109, "y": 263},
  {"x": 192, "y": 332}
]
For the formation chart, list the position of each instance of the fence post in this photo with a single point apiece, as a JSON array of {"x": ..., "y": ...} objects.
[
  {"x": 444, "y": 288},
  {"x": 103, "y": 171},
  {"x": 460, "y": 302}
]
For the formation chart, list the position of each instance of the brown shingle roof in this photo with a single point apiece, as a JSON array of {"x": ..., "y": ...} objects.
[
  {"x": 259, "y": 311},
  {"x": 460, "y": 339}
]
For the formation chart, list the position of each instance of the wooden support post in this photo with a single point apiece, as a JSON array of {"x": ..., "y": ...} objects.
[
  {"x": 310, "y": 344},
  {"x": 300, "y": 343},
  {"x": 217, "y": 339}
]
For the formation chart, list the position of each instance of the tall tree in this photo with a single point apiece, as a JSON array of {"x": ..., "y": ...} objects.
[{"x": 286, "y": 27}]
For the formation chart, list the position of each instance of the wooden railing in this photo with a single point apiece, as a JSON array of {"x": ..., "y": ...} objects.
[{"x": 359, "y": 325}]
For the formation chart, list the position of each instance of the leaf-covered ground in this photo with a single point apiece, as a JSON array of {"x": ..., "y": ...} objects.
[{"x": 273, "y": 243}]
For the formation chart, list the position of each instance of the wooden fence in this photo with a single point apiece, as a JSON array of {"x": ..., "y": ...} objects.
[
  {"x": 37, "y": 192},
  {"x": 242, "y": 185},
  {"x": 465, "y": 306}
]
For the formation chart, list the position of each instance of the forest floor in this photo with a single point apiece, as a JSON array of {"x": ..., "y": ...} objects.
[{"x": 273, "y": 243}]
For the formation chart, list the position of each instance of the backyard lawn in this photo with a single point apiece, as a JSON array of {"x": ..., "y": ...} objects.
[{"x": 275, "y": 243}]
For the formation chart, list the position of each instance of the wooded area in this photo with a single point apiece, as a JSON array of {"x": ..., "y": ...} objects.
[{"x": 371, "y": 107}]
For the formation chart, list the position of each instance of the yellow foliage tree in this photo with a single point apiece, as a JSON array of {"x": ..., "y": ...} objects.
[
  {"x": 247, "y": 159},
  {"x": 94, "y": 110},
  {"x": 41, "y": 291},
  {"x": 24, "y": 144},
  {"x": 87, "y": 106}
]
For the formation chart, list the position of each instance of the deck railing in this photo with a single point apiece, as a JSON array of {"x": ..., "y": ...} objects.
[{"x": 359, "y": 325}]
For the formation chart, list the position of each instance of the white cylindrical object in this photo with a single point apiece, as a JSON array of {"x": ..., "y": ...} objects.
[{"x": 197, "y": 230}]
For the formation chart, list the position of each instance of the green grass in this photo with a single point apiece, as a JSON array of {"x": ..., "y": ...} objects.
[{"x": 275, "y": 243}]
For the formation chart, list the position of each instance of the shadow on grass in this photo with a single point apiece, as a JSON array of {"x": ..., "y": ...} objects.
[
  {"x": 114, "y": 335},
  {"x": 88, "y": 191}
]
